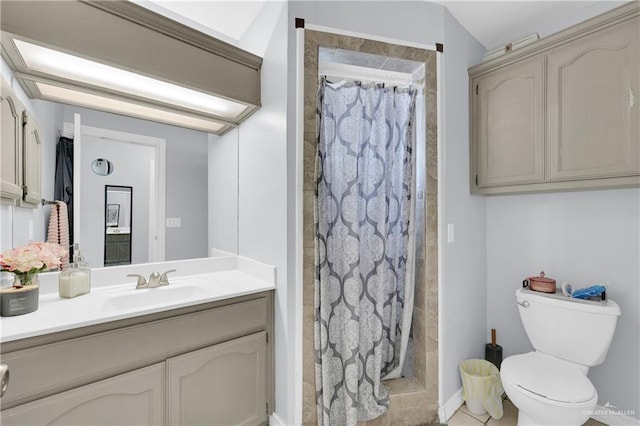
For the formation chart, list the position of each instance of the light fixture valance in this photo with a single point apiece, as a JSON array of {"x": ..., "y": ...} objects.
[{"x": 127, "y": 54}]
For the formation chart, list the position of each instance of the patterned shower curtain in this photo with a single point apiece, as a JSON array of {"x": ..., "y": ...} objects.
[{"x": 364, "y": 189}]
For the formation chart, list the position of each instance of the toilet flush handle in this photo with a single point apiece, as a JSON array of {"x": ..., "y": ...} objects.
[{"x": 524, "y": 304}]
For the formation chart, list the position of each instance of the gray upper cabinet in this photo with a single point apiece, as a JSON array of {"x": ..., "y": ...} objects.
[
  {"x": 562, "y": 113},
  {"x": 32, "y": 161},
  {"x": 21, "y": 152},
  {"x": 593, "y": 105},
  {"x": 11, "y": 134},
  {"x": 510, "y": 125}
]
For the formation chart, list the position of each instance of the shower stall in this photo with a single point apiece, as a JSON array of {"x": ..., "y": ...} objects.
[{"x": 370, "y": 248}]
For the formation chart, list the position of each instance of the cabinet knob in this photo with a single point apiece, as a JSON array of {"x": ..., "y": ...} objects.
[{"x": 4, "y": 378}]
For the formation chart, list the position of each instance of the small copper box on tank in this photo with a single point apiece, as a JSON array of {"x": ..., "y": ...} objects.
[{"x": 540, "y": 283}]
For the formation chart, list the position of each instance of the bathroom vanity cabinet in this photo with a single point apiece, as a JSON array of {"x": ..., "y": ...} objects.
[
  {"x": 562, "y": 113},
  {"x": 117, "y": 249},
  {"x": 205, "y": 364},
  {"x": 21, "y": 182}
]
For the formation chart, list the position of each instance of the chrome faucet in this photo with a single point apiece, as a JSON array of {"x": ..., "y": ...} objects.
[{"x": 155, "y": 280}]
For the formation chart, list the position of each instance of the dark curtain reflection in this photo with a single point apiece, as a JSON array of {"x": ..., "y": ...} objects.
[{"x": 63, "y": 185}]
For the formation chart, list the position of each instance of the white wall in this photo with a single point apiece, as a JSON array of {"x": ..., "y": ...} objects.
[
  {"x": 582, "y": 237},
  {"x": 463, "y": 289},
  {"x": 262, "y": 183},
  {"x": 223, "y": 192}
]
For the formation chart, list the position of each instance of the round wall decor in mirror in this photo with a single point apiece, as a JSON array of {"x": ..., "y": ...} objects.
[{"x": 102, "y": 167}]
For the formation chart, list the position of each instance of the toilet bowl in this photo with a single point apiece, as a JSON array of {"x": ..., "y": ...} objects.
[
  {"x": 549, "y": 386},
  {"x": 547, "y": 390}
]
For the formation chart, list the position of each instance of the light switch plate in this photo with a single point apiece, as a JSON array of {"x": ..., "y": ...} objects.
[{"x": 174, "y": 222}]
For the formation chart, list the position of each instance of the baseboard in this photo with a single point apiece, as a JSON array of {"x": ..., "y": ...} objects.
[
  {"x": 274, "y": 420},
  {"x": 451, "y": 406},
  {"x": 610, "y": 416}
]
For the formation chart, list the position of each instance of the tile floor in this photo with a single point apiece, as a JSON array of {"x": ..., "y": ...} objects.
[{"x": 463, "y": 417}]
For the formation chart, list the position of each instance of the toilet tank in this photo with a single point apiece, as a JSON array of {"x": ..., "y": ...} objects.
[{"x": 574, "y": 330}]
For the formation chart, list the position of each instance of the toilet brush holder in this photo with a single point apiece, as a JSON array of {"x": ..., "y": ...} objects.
[{"x": 493, "y": 352}]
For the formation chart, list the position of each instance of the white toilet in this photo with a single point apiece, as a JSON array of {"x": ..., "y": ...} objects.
[{"x": 550, "y": 385}]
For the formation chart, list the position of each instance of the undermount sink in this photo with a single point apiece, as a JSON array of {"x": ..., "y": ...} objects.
[{"x": 137, "y": 299}]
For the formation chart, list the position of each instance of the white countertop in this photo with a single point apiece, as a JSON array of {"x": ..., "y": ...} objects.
[{"x": 228, "y": 278}]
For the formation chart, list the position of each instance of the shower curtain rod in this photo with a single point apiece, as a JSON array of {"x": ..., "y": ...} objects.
[
  {"x": 300, "y": 23},
  {"x": 354, "y": 72}
]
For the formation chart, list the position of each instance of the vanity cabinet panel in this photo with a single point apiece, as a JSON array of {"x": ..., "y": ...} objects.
[
  {"x": 509, "y": 116},
  {"x": 32, "y": 161},
  {"x": 225, "y": 384},
  {"x": 134, "y": 398},
  {"x": 11, "y": 134},
  {"x": 593, "y": 105},
  {"x": 100, "y": 355}
]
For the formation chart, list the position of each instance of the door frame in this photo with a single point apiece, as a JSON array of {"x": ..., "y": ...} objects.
[{"x": 157, "y": 182}]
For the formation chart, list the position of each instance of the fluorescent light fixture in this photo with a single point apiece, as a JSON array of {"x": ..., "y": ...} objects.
[
  {"x": 75, "y": 97},
  {"x": 71, "y": 67}
]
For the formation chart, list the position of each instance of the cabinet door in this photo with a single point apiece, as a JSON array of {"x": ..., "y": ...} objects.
[
  {"x": 509, "y": 125},
  {"x": 32, "y": 164},
  {"x": 11, "y": 141},
  {"x": 593, "y": 105},
  {"x": 223, "y": 384},
  {"x": 134, "y": 398}
]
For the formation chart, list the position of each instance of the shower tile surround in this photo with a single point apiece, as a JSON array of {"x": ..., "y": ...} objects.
[{"x": 413, "y": 400}]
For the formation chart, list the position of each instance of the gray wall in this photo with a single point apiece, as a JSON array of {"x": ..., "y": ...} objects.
[
  {"x": 464, "y": 298},
  {"x": 186, "y": 177},
  {"x": 582, "y": 237}
]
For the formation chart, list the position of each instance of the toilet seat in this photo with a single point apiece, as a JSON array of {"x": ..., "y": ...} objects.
[{"x": 552, "y": 379}]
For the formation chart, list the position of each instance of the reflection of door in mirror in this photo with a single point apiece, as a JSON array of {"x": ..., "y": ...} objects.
[
  {"x": 135, "y": 161},
  {"x": 118, "y": 230}
]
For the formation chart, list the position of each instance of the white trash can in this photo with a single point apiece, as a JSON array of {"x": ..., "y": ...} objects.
[{"x": 481, "y": 387}]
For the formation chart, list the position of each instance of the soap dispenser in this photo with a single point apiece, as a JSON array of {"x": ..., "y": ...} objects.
[{"x": 76, "y": 279}]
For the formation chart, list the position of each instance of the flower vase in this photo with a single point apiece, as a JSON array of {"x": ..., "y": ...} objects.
[
  {"x": 22, "y": 279},
  {"x": 22, "y": 297}
]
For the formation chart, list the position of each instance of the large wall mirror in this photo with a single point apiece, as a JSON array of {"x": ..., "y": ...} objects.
[
  {"x": 192, "y": 167},
  {"x": 178, "y": 185}
]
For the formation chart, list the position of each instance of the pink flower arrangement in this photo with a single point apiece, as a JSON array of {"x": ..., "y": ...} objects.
[{"x": 32, "y": 258}]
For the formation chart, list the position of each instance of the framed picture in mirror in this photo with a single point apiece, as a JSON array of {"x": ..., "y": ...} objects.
[{"x": 113, "y": 214}]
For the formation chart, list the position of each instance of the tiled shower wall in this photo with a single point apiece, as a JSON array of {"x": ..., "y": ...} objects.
[{"x": 412, "y": 400}]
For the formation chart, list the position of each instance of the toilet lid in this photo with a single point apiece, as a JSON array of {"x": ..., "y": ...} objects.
[{"x": 548, "y": 377}]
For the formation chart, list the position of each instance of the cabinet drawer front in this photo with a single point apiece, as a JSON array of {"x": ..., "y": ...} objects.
[
  {"x": 134, "y": 398},
  {"x": 44, "y": 370},
  {"x": 594, "y": 109},
  {"x": 510, "y": 125},
  {"x": 117, "y": 238},
  {"x": 224, "y": 384}
]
